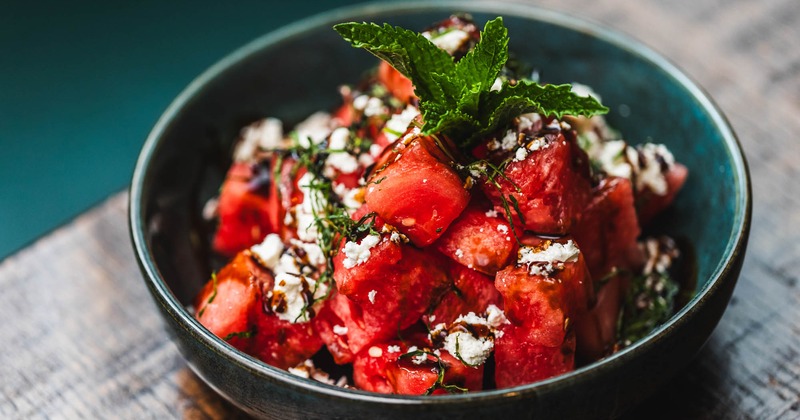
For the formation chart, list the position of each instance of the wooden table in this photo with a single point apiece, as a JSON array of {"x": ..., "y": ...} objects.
[{"x": 82, "y": 338}]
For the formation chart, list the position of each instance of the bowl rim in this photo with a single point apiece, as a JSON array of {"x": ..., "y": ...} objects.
[{"x": 736, "y": 240}]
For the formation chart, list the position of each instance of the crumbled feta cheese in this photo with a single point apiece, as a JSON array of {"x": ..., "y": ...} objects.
[
  {"x": 349, "y": 196},
  {"x": 266, "y": 134},
  {"x": 292, "y": 289},
  {"x": 287, "y": 264},
  {"x": 339, "y": 159},
  {"x": 393, "y": 349},
  {"x": 269, "y": 251},
  {"x": 412, "y": 349},
  {"x": 472, "y": 350},
  {"x": 537, "y": 143},
  {"x": 374, "y": 107},
  {"x": 502, "y": 228},
  {"x": 313, "y": 205},
  {"x": 419, "y": 359},
  {"x": 491, "y": 213},
  {"x": 521, "y": 154},
  {"x": 371, "y": 295},
  {"x": 459, "y": 253},
  {"x": 495, "y": 317},
  {"x": 312, "y": 250},
  {"x": 357, "y": 253},
  {"x": 450, "y": 40},
  {"x": 314, "y": 129},
  {"x": 529, "y": 121},
  {"x": 339, "y": 330},
  {"x": 613, "y": 158},
  {"x": 555, "y": 252},
  {"x": 360, "y": 102},
  {"x": 398, "y": 123},
  {"x": 509, "y": 141},
  {"x": 651, "y": 174}
]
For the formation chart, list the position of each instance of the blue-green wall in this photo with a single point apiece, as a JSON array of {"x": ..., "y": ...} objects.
[{"x": 82, "y": 83}]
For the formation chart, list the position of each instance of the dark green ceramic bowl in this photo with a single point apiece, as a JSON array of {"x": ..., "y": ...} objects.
[{"x": 296, "y": 70}]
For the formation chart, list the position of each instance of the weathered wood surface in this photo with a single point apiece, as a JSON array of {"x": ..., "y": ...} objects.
[{"x": 83, "y": 339}]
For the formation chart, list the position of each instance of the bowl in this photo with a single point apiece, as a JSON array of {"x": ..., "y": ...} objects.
[{"x": 296, "y": 70}]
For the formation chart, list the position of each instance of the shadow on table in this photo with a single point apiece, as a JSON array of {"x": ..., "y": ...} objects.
[
  {"x": 198, "y": 401},
  {"x": 691, "y": 394}
]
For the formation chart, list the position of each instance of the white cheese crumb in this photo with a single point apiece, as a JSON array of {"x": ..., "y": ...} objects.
[
  {"x": 292, "y": 288},
  {"x": 269, "y": 251},
  {"x": 556, "y": 252},
  {"x": 371, "y": 295},
  {"x": 312, "y": 250},
  {"x": 502, "y": 228},
  {"x": 374, "y": 108},
  {"x": 339, "y": 159},
  {"x": 419, "y": 359},
  {"x": 509, "y": 141},
  {"x": 529, "y": 121},
  {"x": 495, "y": 317},
  {"x": 450, "y": 40},
  {"x": 650, "y": 171},
  {"x": 398, "y": 123},
  {"x": 265, "y": 134},
  {"x": 521, "y": 154},
  {"x": 537, "y": 143},
  {"x": 459, "y": 253},
  {"x": 472, "y": 350},
  {"x": 393, "y": 349},
  {"x": 314, "y": 129},
  {"x": 356, "y": 253},
  {"x": 339, "y": 330},
  {"x": 491, "y": 213},
  {"x": 313, "y": 205}
]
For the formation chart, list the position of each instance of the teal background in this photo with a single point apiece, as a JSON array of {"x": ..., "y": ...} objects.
[{"x": 82, "y": 83}]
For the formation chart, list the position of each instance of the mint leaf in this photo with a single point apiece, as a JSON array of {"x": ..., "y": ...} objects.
[
  {"x": 407, "y": 51},
  {"x": 483, "y": 63},
  {"x": 456, "y": 98}
]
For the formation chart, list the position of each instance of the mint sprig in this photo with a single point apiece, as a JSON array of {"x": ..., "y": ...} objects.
[{"x": 456, "y": 98}]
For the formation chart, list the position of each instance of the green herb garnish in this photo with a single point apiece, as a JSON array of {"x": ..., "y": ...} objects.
[
  {"x": 456, "y": 98},
  {"x": 240, "y": 334}
]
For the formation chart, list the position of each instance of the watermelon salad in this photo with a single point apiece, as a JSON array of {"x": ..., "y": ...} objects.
[{"x": 452, "y": 226}]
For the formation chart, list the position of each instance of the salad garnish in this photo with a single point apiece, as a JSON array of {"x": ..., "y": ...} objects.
[{"x": 460, "y": 99}]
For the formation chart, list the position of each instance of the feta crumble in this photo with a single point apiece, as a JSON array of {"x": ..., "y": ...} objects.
[
  {"x": 371, "y": 296},
  {"x": 450, "y": 40},
  {"x": 339, "y": 330},
  {"x": 398, "y": 123},
  {"x": 314, "y": 129},
  {"x": 269, "y": 251},
  {"x": 540, "y": 260},
  {"x": 358, "y": 253}
]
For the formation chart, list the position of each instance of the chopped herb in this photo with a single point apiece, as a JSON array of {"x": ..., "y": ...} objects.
[
  {"x": 648, "y": 304},
  {"x": 456, "y": 98},
  {"x": 210, "y": 298},
  {"x": 241, "y": 334},
  {"x": 441, "y": 369}
]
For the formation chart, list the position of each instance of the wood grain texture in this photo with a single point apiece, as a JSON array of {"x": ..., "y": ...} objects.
[{"x": 83, "y": 339}]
